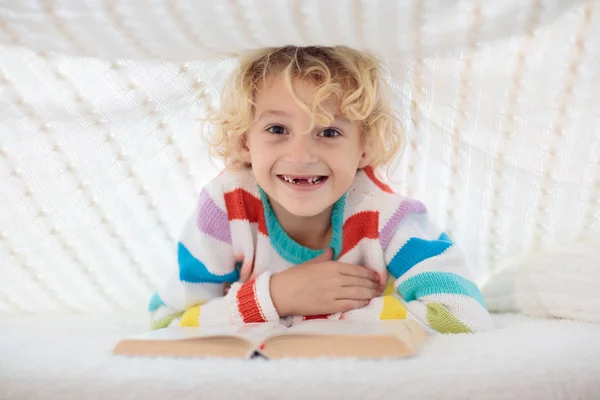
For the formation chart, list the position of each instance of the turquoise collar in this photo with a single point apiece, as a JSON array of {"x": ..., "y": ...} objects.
[{"x": 293, "y": 251}]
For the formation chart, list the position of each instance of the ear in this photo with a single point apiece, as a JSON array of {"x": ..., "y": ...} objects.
[
  {"x": 365, "y": 158},
  {"x": 364, "y": 161},
  {"x": 244, "y": 150}
]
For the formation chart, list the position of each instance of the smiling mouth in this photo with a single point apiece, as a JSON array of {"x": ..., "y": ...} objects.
[{"x": 303, "y": 180}]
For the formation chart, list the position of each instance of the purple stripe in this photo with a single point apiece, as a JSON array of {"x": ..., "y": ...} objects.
[
  {"x": 212, "y": 220},
  {"x": 406, "y": 208}
]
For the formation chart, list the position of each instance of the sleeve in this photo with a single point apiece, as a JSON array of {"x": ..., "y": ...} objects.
[
  {"x": 431, "y": 282},
  {"x": 194, "y": 295}
]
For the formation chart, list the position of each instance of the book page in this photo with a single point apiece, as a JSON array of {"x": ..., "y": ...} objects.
[
  {"x": 339, "y": 338},
  {"x": 252, "y": 333},
  {"x": 354, "y": 328}
]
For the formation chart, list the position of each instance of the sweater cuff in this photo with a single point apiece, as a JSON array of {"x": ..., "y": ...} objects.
[{"x": 254, "y": 300}]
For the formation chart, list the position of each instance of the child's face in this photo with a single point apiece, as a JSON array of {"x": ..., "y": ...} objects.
[{"x": 303, "y": 170}]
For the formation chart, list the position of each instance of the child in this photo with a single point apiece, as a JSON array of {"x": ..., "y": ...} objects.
[{"x": 298, "y": 224}]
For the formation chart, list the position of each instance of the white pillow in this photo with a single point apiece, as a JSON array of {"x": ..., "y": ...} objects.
[{"x": 563, "y": 282}]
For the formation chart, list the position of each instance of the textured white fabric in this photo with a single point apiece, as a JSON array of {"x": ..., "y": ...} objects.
[
  {"x": 561, "y": 282},
  {"x": 68, "y": 357},
  {"x": 100, "y": 159},
  {"x": 191, "y": 29}
]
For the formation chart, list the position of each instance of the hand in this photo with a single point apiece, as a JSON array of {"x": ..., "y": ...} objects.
[{"x": 321, "y": 286}]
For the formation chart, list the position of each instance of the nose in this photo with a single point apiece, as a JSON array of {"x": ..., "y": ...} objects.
[{"x": 301, "y": 150}]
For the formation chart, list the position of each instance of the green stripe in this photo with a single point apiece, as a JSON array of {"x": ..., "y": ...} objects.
[
  {"x": 166, "y": 321},
  {"x": 440, "y": 319},
  {"x": 427, "y": 283}
]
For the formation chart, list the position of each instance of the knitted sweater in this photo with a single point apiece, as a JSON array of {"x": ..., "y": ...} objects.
[{"x": 234, "y": 238}]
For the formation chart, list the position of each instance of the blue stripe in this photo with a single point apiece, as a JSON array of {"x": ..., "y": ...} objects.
[
  {"x": 155, "y": 303},
  {"x": 193, "y": 270},
  {"x": 416, "y": 250},
  {"x": 445, "y": 238},
  {"x": 428, "y": 283}
]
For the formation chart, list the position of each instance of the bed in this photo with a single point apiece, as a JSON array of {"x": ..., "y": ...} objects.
[{"x": 66, "y": 357}]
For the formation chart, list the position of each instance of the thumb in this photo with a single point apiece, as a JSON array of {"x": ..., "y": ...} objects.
[{"x": 327, "y": 255}]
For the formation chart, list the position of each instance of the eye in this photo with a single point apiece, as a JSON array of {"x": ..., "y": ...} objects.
[
  {"x": 277, "y": 130},
  {"x": 330, "y": 133}
]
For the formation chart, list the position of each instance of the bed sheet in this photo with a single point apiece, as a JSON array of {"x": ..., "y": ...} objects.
[{"x": 69, "y": 357}]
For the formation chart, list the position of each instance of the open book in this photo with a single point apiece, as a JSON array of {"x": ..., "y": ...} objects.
[{"x": 312, "y": 338}]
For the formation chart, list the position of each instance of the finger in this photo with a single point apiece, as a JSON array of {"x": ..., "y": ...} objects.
[
  {"x": 349, "y": 305},
  {"x": 383, "y": 278},
  {"x": 357, "y": 293},
  {"x": 358, "y": 271},
  {"x": 349, "y": 281},
  {"x": 327, "y": 255}
]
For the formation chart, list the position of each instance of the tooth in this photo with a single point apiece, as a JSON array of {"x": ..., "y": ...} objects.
[{"x": 311, "y": 180}]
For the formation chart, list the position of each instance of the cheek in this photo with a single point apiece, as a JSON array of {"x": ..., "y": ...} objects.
[
  {"x": 344, "y": 167},
  {"x": 261, "y": 163},
  {"x": 254, "y": 147},
  {"x": 347, "y": 157},
  {"x": 347, "y": 174}
]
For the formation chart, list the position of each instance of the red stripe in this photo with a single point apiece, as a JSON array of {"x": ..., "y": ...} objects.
[
  {"x": 371, "y": 174},
  {"x": 241, "y": 205},
  {"x": 247, "y": 303},
  {"x": 364, "y": 224},
  {"x": 316, "y": 317}
]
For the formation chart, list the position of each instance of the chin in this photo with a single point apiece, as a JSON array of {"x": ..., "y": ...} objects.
[{"x": 305, "y": 210}]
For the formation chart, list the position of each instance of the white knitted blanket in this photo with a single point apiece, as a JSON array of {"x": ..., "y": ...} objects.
[{"x": 100, "y": 158}]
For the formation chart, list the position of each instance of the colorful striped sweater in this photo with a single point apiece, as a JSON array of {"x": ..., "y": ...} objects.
[{"x": 233, "y": 238}]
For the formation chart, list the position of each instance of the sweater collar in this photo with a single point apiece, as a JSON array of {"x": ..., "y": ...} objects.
[{"x": 293, "y": 251}]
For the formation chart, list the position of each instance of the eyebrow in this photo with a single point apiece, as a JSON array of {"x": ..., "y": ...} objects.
[
  {"x": 274, "y": 113},
  {"x": 281, "y": 113}
]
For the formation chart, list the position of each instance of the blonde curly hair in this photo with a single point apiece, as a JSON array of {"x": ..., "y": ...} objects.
[{"x": 354, "y": 78}]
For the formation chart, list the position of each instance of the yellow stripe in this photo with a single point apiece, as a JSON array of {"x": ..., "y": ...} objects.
[
  {"x": 443, "y": 321},
  {"x": 191, "y": 317},
  {"x": 392, "y": 309},
  {"x": 389, "y": 289}
]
